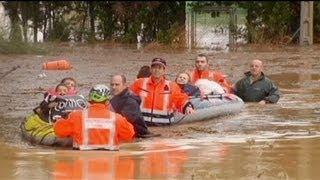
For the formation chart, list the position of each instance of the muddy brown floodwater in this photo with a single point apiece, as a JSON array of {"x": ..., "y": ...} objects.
[{"x": 279, "y": 141}]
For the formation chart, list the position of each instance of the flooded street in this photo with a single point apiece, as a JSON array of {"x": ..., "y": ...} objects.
[{"x": 275, "y": 141}]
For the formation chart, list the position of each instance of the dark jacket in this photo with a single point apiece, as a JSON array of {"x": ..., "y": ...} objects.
[
  {"x": 190, "y": 90},
  {"x": 66, "y": 104},
  {"x": 43, "y": 110},
  {"x": 261, "y": 89},
  {"x": 128, "y": 105}
]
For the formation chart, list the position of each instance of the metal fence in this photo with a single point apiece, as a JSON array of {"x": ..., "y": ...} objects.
[{"x": 214, "y": 28}]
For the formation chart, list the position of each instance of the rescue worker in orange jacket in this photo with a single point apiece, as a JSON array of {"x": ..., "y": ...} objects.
[
  {"x": 96, "y": 127},
  {"x": 202, "y": 71},
  {"x": 160, "y": 97}
]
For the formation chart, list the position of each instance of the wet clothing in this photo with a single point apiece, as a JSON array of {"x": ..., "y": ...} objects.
[
  {"x": 160, "y": 100},
  {"x": 128, "y": 105},
  {"x": 44, "y": 109},
  {"x": 261, "y": 89},
  {"x": 93, "y": 128},
  {"x": 190, "y": 90},
  {"x": 213, "y": 76},
  {"x": 65, "y": 104}
]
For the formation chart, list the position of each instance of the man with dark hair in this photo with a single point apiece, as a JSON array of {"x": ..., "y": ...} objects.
[
  {"x": 202, "y": 71},
  {"x": 127, "y": 104},
  {"x": 160, "y": 96}
]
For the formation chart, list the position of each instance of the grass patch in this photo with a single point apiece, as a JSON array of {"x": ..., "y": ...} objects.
[{"x": 7, "y": 47}]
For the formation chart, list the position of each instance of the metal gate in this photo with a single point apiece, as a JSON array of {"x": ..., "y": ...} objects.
[{"x": 211, "y": 27}]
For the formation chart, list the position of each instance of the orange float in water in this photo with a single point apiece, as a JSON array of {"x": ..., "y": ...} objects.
[{"x": 57, "y": 65}]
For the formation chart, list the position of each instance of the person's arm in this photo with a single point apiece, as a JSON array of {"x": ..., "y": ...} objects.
[
  {"x": 124, "y": 129},
  {"x": 65, "y": 127},
  {"x": 131, "y": 111},
  {"x": 274, "y": 93},
  {"x": 238, "y": 89},
  {"x": 221, "y": 79},
  {"x": 192, "y": 90},
  {"x": 135, "y": 87},
  {"x": 181, "y": 100}
]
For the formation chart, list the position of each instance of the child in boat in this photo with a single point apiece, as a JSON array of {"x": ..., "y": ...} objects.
[
  {"x": 50, "y": 101},
  {"x": 61, "y": 89},
  {"x": 183, "y": 80},
  {"x": 71, "y": 85}
]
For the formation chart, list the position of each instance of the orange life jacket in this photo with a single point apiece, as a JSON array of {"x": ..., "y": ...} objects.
[
  {"x": 97, "y": 133},
  {"x": 95, "y": 128},
  {"x": 159, "y": 100},
  {"x": 212, "y": 76}
]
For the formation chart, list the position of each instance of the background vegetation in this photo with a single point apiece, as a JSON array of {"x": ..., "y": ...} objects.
[{"x": 159, "y": 21}]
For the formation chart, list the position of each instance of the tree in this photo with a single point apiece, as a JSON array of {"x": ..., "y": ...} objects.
[{"x": 12, "y": 7}]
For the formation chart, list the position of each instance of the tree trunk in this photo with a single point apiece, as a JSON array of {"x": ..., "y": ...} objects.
[
  {"x": 24, "y": 16},
  {"x": 45, "y": 21},
  {"x": 92, "y": 18},
  {"x": 15, "y": 30},
  {"x": 35, "y": 21}
]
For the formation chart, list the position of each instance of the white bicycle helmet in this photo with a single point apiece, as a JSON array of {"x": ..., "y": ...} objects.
[{"x": 100, "y": 93}]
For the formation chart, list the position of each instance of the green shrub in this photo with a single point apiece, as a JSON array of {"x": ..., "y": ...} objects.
[{"x": 7, "y": 47}]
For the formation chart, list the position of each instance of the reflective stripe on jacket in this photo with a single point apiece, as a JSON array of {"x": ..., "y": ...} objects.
[
  {"x": 159, "y": 100},
  {"x": 97, "y": 133},
  {"x": 212, "y": 76}
]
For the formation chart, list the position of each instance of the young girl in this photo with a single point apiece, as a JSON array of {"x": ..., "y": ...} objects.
[{"x": 61, "y": 89}]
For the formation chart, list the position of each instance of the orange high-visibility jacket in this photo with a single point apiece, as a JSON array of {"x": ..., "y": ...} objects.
[
  {"x": 95, "y": 128},
  {"x": 212, "y": 76},
  {"x": 159, "y": 101}
]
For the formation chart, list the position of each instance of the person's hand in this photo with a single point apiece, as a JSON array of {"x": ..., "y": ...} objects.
[
  {"x": 203, "y": 96},
  {"x": 189, "y": 110},
  {"x": 263, "y": 102}
]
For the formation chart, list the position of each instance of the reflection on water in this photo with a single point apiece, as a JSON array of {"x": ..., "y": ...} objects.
[
  {"x": 280, "y": 141},
  {"x": 190, "y": 159}
]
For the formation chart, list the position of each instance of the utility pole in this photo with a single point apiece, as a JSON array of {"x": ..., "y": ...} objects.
[
  {"x": 306, "y": 23},
  {"x": 190, "y": 26}
]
